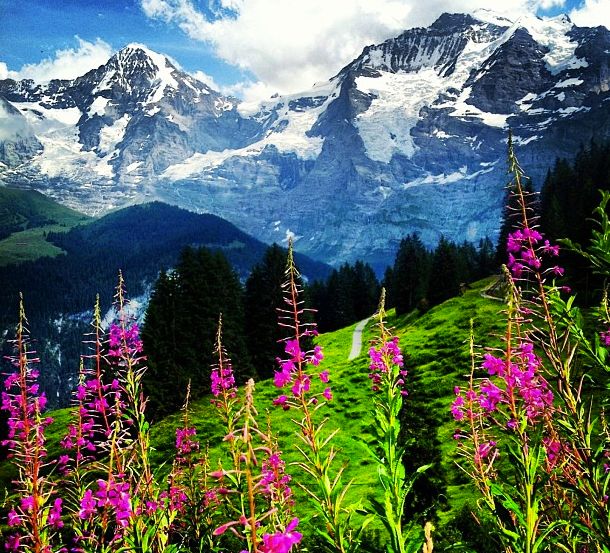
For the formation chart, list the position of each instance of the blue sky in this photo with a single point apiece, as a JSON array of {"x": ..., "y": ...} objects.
[
  {"x": 56, "y": 23},
  {"x": 246, "y": 47}
]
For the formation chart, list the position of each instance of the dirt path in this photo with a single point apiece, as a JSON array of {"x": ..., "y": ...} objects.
[{"x": 357, "y": 339}]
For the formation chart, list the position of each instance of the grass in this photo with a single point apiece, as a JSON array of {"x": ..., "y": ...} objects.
[
  {"x": 436, "y": 344},
  {"x": 26, "y": 217}
]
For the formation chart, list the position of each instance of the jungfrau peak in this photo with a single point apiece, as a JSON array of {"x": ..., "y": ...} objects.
[{"x": 410, "y": 136}]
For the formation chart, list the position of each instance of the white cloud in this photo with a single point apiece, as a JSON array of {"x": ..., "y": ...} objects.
[
  {"x": 252, "y": 94},
  {"x": 12, "y": 125},
  {"x": 592, "y": 13},
  {"x": 548, "y": 4},
  {"x": 205, "y": 78},
  {"x": 66, "y": 64},
  {"x": 291, "y": 44}
]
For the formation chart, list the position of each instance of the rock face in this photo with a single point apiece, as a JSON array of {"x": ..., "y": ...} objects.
[{"x": 410, "y": 136}]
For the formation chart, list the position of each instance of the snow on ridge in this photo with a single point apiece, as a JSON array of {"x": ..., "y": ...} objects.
[
  {"x": 57, "y": 132},
  {"x": 288, "y": 134},
  {"x": 569, "y": 83},
  {"x": 52, "y": 118},
  {"x": 489, "y": 16},
  {"x": 164, "y": 76},
  {"x": 552, "y": 32},
  {"x": 464, "y": 109},
  {"x": 98, "y": 106},
  {"x": 111, "y": 135},
  {"x": 520, "y": 141},
  {"x": 443, "y": 178},
  {"x": 385, "y": 127},
  {"x": 318, "y": 90}
]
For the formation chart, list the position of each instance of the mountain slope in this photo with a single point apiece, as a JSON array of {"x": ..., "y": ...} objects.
[
  {"x": 24, "y": 209},
  {"x": 140, "y": 241},
  {"x": 436, "y": 351},
  {"x": 26, "y": 218},
  {"x": 410, "y": 136}
]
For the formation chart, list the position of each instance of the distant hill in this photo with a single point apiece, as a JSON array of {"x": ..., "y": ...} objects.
[
  {"x": 141, "y": 240},
  {"x": 26, "y": 209},
  {"x": 26, "y": 217}
]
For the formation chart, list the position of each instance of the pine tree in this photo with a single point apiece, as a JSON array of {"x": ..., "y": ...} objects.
[
  {"x": 410, "y": 274},
  {"x": 365, "y": 292},
  {"x": 179, "y": 328},
  {"x": 444, "y": 282},
  {"x": 262, "y": 298}
]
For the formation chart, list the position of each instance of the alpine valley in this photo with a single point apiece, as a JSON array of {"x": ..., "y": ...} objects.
[{"x": 410, "y": 136}]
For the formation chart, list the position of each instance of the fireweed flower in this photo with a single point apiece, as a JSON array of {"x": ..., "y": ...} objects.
[
  {"x": 282, "y": 542},
  {"x": 317, "y": 451},
  {"x": 112, "y": 495},
  {"x": 185, "y": 442},
  {"x": 13, "y": 518},
  {"x": 88, "y": 505},
  {"x": 292, "y": 373},
  {"x": 124, "y": 341},
  {"x": 54, "y": 517},
  {"x": 517, "y": 384},
  {"x": 274, "y": 480},
  {"x": 24, "y": 403},
  {"x": 223, "y": 380},
  {"x": 13, "y": 542},
  {"x": 525, "y": 252},
  {"x": 387, "y": 374},
  {"x": 382, "y": 358}
]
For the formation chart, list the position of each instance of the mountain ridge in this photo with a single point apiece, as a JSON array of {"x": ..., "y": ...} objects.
[{"x": 408, "y": 137}]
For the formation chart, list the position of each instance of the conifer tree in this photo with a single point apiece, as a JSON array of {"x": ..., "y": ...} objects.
[
  {"x": 410, "y": 274},
  {"x": 262, "y": 298},
  {"x": 444, "y": 282},
  {"x": 180, "y": 325}
]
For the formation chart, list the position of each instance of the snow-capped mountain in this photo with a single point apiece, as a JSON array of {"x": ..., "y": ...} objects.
[{"x": 410, "y": 136}]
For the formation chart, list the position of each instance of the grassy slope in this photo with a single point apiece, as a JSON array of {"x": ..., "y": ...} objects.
[
  {"x": 437, "y": 346},
  {"x": 28, "y": 215}
]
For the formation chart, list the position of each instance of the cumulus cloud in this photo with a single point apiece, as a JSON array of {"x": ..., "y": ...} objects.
[
  {"x": 251, "y": 94},
  {"x": 591, "y": 14},
  {"x": 12, "y": 125},
  {"x": 68, "y": 63},
  {"x": 206, "y": 79},
  {"x": 548, "y": 4},
  {"x": 292, "y": 44}
]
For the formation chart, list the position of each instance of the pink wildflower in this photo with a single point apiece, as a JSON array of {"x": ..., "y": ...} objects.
[
  {"x": 54, "y": 518},
  {"x": 282, "y": 542},
  {"x": 283, "y": 401},
  {"x": 87, "y": 505},
  {"x": 13, "y": 518}
]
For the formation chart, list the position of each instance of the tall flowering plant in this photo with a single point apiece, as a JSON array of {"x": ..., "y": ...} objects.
[
  {"x": 297, "y": 373},
  {"x": 113, "y": 499},
  {"x": 387, "y": 375},
  {"x": 36, "y": 517},
  {"x": 525, "y": 421},
  {"x": 256, "y": 493}
]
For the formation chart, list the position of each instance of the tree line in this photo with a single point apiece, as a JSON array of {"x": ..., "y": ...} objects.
[
  {"x": 422, "y": 278},
  {"x": 185, "y": 305}
]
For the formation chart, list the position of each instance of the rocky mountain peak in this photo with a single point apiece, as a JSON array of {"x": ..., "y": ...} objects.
[
  {"x": 409, "y": 137},
  {"x": 452, "y": 22}
]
